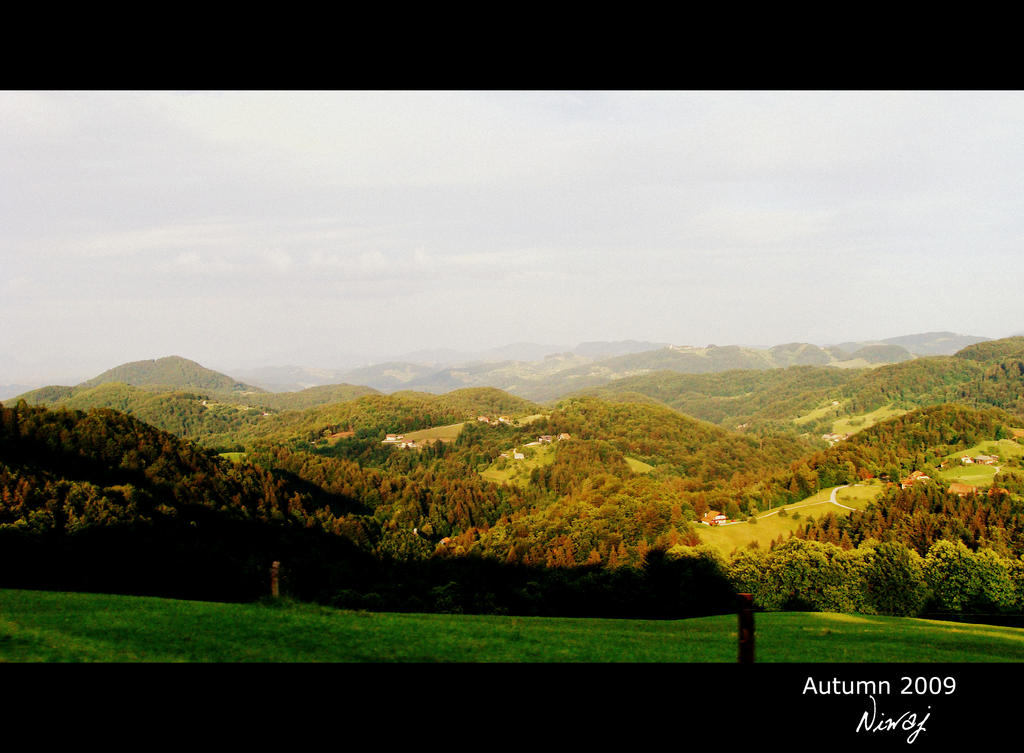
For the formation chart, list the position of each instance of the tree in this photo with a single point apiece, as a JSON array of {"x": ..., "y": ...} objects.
[
  {"x": 949, "y": 573},
  {"x": 894, "y": 582},
  {"x": 966, "y": 581}
]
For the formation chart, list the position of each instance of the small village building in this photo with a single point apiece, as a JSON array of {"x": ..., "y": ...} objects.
[
  {"x": 713, "y": 518},
  {"x": 393, "y": 438},
  {"x": 518, "y": 455},
  {"x": 913, "y": 478}
]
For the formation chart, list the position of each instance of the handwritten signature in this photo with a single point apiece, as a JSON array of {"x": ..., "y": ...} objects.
[{"x": 878, "y": 722}]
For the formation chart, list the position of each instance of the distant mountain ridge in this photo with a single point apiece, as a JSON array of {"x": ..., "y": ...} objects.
[
  {"x": 590, "y": 364},
  {"x": 923, "y": 344},
  {"x": 593, "y": 364}
]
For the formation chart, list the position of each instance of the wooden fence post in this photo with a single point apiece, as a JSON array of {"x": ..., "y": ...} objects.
[
  {"x": 275, "y": 585},
  {"x": 745, "y": 608}
]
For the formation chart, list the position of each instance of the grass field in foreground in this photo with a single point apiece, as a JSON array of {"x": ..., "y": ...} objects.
[{"x": 39, "y": 626}]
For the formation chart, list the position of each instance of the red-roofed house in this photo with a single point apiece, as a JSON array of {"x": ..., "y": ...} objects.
[{"x": 713, "y": 518}]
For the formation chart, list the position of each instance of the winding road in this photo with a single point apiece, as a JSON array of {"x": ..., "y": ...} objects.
[{"x": 831, "y": 499}]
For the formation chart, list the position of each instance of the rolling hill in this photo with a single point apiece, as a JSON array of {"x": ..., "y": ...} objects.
[
  {"x": 595, "y": 364},
  {"x": 172, "y": 371},
  {"x": 811, "y": 399},
  {"x": 614, "y": 491}
]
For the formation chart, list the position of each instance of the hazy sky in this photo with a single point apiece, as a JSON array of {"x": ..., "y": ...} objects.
[{"x": 249, "y": 228}]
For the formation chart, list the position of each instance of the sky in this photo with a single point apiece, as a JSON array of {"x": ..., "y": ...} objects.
[{"x": 324, "y": 229}]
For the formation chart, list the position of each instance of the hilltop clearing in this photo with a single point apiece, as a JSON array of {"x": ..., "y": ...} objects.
[{"x": 764, "y": 528}]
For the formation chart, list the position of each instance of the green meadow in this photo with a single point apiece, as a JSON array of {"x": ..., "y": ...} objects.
[
  {"x": 512, "y": 471},
  {"x": 785, "y": 520},
  {"x": 39, "y": 626},
  {"x": 849, "y": 424},
  {"x": 814, "y": 415},
  {"x": 638, "y": 466},
  {"x": 974, "y": 475},
  {"x": 979, "y": 474},
  {"x": 436, "y": 434},
  {"x": 853, "y": 424}
]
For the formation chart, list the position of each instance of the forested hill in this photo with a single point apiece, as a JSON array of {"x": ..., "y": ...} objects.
[
  {"x": 232, "y": 421},
  {"x": 601, "y": 493},
  {"x": 994, "y": 350},
  {"x": 810, "y": 398},
  {"x": 917, "y": 440},
  {"x": 559, "y": 374},
  {"x": 921, "y": 513},
  {"x": 172, "y": 371},
  {"x": 104, "y": 501},
  {"x": 161, "y": 375},
  {"x": 373, "y": 416},
  {"x": 733, "y": 398},
  {"x": 311, "y": 397},
  {"x": 186, "y": 414}
]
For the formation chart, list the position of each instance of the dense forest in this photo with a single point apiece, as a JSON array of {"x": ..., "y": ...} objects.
[{"x": 194, "y": 487}]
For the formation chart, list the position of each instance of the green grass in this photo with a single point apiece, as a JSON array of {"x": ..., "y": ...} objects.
[
  {"x": 770, "y": 524},
  {"x": 234, "y": 457},
  {"x": 853, "y": 424},
  {"x": 1003, "y": 448},
  {"x": 37, "y": 626},
  {"x": 518, "y": 471},
  {"x": 638, "y": 466},
  {"x": 436, "y": 434},
  {"x": 978, "y": 474},
  {"x": 819, "y": 412},
  {"x": 975, "y": 475}
]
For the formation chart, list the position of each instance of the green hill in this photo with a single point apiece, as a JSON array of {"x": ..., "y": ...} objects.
[
  {"x": 934, "y": 343},
  {"x": 172, "y": 371},
  {"x": 312, "y": 397},
  {"x": 994, "y": 350},
  {"x": 558, "y": 375},
  {"x": 811, "y": 399},
  {"x": 733, "y": 398},
  {"x": 186, "y": 414},
  {"x": 877, "y": 354},
  {"x": 613, "y": 484},
  {"x": 102, "y": 500}
]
